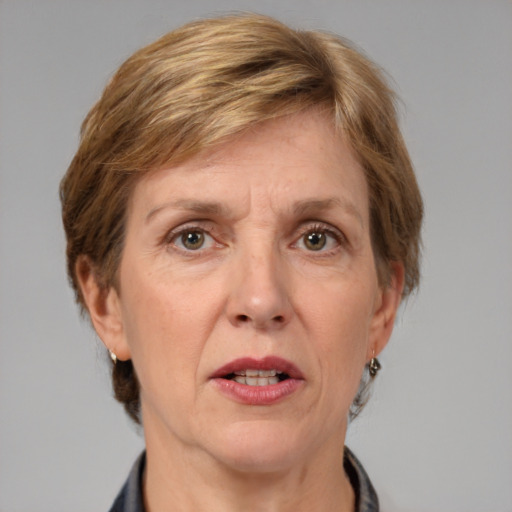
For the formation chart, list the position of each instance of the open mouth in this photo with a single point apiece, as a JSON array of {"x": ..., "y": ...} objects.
[
  {"x": 256, "y": 381},
  {"x": 251, "y": 377}
]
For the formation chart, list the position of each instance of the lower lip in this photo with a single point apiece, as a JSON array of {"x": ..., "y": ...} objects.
[{"x": 257, "y": 395}]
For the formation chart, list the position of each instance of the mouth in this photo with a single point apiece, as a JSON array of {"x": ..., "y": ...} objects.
[
  {"x": 252, "y": 377},
  {"x": 258, "y": 372},
  {"x": 258, "y": 381}
]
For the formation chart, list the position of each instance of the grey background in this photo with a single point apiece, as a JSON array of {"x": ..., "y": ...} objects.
[{"x": 437, "y": 435}]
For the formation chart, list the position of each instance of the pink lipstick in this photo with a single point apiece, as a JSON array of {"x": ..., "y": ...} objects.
[{"x": 258, "y": 381}]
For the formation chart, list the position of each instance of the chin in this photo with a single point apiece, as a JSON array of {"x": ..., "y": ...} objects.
[{"x": 259, "y": 447}]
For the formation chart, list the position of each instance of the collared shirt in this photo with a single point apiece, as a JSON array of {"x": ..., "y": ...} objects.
[{"x": 130, "y": 499}]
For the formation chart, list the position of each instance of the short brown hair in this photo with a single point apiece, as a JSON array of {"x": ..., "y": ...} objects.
[{"x": 209, "y": 80}]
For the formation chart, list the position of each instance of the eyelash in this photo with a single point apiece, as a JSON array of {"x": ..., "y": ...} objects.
[{"x": 317, "y": 228}]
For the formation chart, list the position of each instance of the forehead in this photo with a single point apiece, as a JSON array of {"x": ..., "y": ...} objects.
[{"x": 299, "y": 159}]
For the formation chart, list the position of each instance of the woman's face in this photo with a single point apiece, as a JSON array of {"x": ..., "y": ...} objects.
[{"x": 254, "y": 258}]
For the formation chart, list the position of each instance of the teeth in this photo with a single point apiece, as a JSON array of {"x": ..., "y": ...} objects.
[
  {"x": 257, "y": 373},
  {"x": 263, "y": 381},
  {"x": 256, "y": 381}
]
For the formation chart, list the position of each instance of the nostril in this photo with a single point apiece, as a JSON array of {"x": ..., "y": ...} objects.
[{"x": 244, "y": 319}]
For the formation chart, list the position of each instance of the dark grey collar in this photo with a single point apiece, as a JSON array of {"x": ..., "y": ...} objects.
[
  {"x": 129, "y": 498},
  {"x": 366, "y": 497}
]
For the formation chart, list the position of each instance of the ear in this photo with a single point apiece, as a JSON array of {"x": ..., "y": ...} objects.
[
  {"x": 104, "y": 307},
  {"x": 386, "y": 306}
]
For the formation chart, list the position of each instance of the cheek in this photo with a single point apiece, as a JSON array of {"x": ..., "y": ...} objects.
[
  {"x": 157, "y": 328},
  {"x": 339, "y": 316},
  {"x": 167, "y": 322}
]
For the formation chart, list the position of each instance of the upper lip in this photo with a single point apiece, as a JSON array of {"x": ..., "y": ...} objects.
[{"x": 267, "y": 363}]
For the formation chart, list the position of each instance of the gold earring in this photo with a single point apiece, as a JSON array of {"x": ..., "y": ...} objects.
[{"x": 113, "y": 356}]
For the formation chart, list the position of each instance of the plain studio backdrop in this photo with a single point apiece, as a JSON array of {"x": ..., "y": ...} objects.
[{"x": 437, "y": 435}]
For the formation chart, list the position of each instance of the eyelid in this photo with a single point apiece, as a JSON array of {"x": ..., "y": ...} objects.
[{"x": 312, "y": 225}]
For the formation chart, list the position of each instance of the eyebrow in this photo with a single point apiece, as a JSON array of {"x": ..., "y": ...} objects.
[
  {"x": 206, "y": 208},
  {"x": 315, "y": 206},
  {"x": 302, "y": 208}
]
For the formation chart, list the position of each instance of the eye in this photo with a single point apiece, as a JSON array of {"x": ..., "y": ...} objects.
[
  {"x": 319, "y": 239},
  {"x": 315, "y": 241},
  {"x": 192, "y": 240}
]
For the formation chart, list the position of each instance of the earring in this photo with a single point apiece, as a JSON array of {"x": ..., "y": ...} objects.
[
  {"x": 374, "y": 366},
  {"x": 113, "y": 356}
]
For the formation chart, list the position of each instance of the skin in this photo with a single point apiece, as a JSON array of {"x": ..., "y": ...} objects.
[{"x": 254, "y": 288}]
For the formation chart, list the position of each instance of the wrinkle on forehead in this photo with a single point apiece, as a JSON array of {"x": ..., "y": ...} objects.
[{"x": 267, "y": 183}]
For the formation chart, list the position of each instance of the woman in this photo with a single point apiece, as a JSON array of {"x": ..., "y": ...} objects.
[{"x": 243, "y": 222}]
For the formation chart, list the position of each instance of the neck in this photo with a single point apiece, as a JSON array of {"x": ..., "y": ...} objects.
[{"x": 186, "y": 479}]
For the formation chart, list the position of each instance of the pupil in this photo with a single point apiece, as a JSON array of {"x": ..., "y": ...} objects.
[
  {"x": 193, "y": 240},
  {"x": 315, "y": 241}
]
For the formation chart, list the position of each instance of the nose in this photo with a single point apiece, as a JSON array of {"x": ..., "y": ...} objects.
[{"x": 259, "y": 293}]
